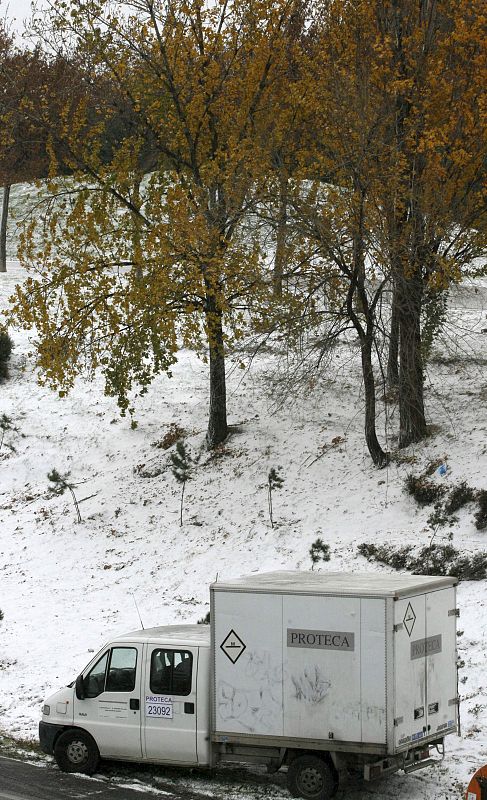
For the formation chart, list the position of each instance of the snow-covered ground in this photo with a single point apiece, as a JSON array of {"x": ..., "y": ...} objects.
[{"x": 65, "y": 587}]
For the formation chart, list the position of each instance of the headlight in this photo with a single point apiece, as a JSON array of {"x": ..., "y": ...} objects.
[{"x": 46, "y": 710}]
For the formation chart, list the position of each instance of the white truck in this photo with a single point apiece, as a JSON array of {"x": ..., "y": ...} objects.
[{"x": 313, "y": 672}]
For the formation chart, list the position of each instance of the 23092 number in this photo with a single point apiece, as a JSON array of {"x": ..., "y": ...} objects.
[{"x": 159, "y": 711}]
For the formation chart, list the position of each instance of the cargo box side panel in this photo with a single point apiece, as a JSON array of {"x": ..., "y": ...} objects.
[
  {"x": 373, "y": 670},
  {"x": 248, "y": 666},
  {"x": 321, "y": 641}
]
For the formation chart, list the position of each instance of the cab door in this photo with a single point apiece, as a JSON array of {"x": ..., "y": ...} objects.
[
  {"x": 169, "y": 721},
  {"x": 110, "y": 710}
]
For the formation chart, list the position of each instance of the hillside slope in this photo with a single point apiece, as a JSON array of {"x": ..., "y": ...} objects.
[{"x": 66, "y": 587}]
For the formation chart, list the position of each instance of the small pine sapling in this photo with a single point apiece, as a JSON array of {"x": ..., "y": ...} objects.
[
  {"x": 182, "y": 467},
  {"x": 60, "y": 484},
  {"x": 274, "y": 481},
  {"x": 319, "y": 551},
  {"x": 1, "y": 614},
  {"x": 5, "y": 425}
]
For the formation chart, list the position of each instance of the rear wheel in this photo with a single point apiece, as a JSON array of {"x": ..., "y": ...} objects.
[
  {"x": 76, "y": 751},
  {"x": 312, "y": 778}
]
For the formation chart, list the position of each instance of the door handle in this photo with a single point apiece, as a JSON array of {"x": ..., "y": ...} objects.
[
  {"x": 189, "y": 708},
  {"x": 134, "y": 704}
]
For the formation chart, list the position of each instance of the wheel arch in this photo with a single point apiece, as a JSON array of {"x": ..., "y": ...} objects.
[
  {"x": 325, "y": 755},
  {"x": 67, "y": 728}
]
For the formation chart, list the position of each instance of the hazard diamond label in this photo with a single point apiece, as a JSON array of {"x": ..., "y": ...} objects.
[
  {"x": 232, "y": 646},
  {"x": 409, "y": 619}
]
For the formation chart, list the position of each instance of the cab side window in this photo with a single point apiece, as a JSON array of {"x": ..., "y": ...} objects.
[
  {"x": 113, "y": 672},
  {"x": 171, "y": 672}
]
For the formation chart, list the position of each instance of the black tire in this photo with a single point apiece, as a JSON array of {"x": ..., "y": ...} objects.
[
  {"x": 76, "y": 751},
  {"x": 312, "y": 778}
]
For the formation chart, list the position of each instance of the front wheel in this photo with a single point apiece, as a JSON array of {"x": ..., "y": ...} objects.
[
  {"x": 312, "y": 778},
  {"x": 76, "y": 751}
]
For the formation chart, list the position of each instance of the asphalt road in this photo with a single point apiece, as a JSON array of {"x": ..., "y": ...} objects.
[{"x": 21, "y": 781}]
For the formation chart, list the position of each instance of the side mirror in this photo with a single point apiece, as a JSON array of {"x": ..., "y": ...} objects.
[{"x": 80, "y": 688}]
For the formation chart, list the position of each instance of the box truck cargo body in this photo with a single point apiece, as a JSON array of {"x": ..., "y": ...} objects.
[
  {"x": 367, "y": 662},
  {"x": 315, "y": 672}
]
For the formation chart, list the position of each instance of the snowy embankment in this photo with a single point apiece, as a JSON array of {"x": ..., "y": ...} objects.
[{"x": 65, "y": 587}]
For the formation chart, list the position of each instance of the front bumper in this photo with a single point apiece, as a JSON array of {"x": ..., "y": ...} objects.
[{"x": 47, "y": 734}]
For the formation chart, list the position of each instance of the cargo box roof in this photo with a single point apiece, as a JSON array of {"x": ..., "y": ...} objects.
[{"x": 360, "y": 584}]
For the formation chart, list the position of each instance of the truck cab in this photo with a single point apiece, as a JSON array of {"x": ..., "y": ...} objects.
[{"x": 143, "y": 697}]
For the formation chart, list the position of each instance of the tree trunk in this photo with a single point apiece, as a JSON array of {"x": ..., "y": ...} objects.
[
  {"x": 137, "y": 253},
  {"x": 357, "y": 294},
  {"x": 412, "y": 422},
  {"x": 393, "y": 351},
  {"x": 379, "y": 457},
  {"x": 3, "y": 229},
  {"x": 280, "y": 260},
  {"x": 217, "y": 423}
]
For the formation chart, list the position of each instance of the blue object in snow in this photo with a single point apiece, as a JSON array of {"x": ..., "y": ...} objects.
[{"x": 442, "y": 470}]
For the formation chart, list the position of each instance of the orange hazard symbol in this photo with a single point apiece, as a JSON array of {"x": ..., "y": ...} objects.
[{"x": 477, "y": 788}]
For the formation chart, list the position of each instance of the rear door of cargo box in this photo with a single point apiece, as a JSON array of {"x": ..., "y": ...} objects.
[
  {"x": 425, "y": 666},
  {"x": 441, "y": 668},
  {"x": 410, "y": 672}
]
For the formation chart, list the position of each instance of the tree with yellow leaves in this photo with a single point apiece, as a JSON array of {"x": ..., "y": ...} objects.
[
  {"x": 124, "y": 271},
  {"x": 434, "y": 57},
  {"x": 393, "y": 168}
]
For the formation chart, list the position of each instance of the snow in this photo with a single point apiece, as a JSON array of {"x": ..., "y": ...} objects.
[{"x": 66, "y": 588}]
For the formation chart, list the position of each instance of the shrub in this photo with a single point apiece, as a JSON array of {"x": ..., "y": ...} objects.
[
  {"x": 6, "y": 346},
  {"x": 459, "y": 497},
  {"x": 425, "y": 492},
  {"x": 440, "y": 517},
  {"x": 473, "y": 568},
  {"x": 172, "y": 435},
  {"x": 204, "y": 620},
  {"x": 1, "y": 614},
  {"x": 481, "y": 514},
  {"x": 319, "y": 551},
  {"x": 397, "y": 558},
  {"x": 437, "y": 559}
]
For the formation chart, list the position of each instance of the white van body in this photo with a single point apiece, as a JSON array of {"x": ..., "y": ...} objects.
[{"x": 310, "y": 670}]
